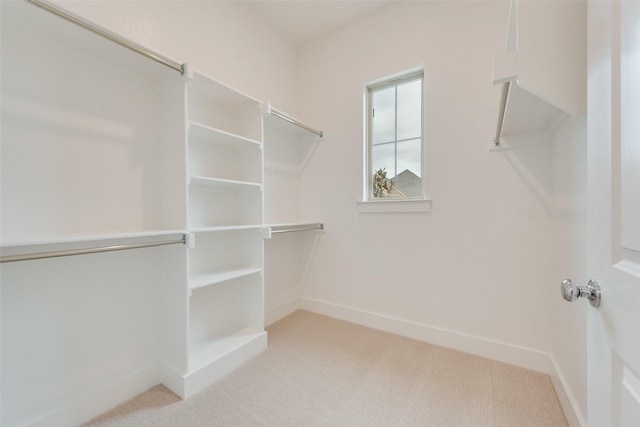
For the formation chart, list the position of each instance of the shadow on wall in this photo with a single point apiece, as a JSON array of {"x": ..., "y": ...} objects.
[{"x": 529, "y": 155}]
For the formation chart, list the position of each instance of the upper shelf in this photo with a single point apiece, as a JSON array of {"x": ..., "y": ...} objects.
[
  {"x": 526, "y": 113},
  {"x": 220, "y": 93},
  {"x": 543, "y": 72},
  {"x": 208, "y": 133},
  {"x": 291, "y": 122},
  {"x": 221, "y": 182},
  {"x": 49, "y": 22},
  {"x": 53, "y": 247},
  {"x": 216, "y": 105}
]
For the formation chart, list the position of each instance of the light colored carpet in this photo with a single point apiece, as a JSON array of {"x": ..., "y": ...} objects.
[{"x": 320, "y": 371}]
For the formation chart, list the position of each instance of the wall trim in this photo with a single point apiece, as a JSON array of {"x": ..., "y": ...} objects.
[
  {"x": 89, "y": 405},
  {"x": 491, "y": 349},
  {"x": 496, "y": 350},
  {"x": 565, "y": 396}
]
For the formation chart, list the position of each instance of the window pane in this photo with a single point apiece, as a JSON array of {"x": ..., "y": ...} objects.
[
  {"x": 383, "y": 156},
  {"x": 410, "y": 110},
  {"x": 384, "y": 105},
  {"x": 408, "y": 181},
  {"x": 409, "y": 156}
]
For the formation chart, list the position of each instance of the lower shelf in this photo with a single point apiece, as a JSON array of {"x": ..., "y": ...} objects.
[
  {"x": 204, "y": 280},
  {"x": 216, "y": 349},
  {"x": 211, "y": 362}
]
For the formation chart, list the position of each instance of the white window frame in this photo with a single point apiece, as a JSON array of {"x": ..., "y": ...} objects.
[{"x": 404, "y": 204}]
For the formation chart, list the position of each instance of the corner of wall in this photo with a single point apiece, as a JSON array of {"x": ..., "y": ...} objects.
[{"x": 283, "y": 310}]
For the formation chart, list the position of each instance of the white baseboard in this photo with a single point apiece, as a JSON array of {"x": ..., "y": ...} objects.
[
  {"x": 565, "y": 396},
  {"x": 274, "y": 314},
  {"x": 491, "y": 349},
  {"x": 173, "y": 379},
  {"x": 502, "y": 352},
  {"x": 89, "y": 405}
]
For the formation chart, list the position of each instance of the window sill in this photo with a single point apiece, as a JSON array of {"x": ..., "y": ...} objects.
[{"x": 391, "y": 206}]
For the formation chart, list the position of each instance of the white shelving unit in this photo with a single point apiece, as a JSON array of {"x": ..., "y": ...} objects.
[
  {"x": 209, "y": 279},
  {"x": 542, "y": 73},
  {"x": 290, "y": 235},
  {"x": 288, "y": 148},
  {"x": 225, "y": 261},
  {"x": 139, "y": 152},
  {"x": 88, "y": 164}
]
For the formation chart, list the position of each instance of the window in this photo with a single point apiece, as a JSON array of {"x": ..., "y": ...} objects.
[{"x": 394, "y": 143}]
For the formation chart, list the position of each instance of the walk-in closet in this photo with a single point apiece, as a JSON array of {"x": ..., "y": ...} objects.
[{"x": 318, "y": 212}]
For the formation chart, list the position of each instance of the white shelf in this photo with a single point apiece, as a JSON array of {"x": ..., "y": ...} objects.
[
  {"x": 207, "y": 353},
  {"x": 214, "y": 135},
  {"x": 293, "y": 224},
  {"x": 527, "y": 113},
  {"x": 90, "y": 238},
  {"x": 272, "y": 229},
  {"x": 214, "y": 229},
  {"x": 288, "y": 123},
  {"x": 204, "y": 280},
  {"x": 526, "y": 116},
  {"x": 544, "y": 83},
  {"x": 221, "y": 93},
  {"x": 220, "y": 182},
  {"x": 221, "y": 107},
  {"x": 47, "y": 26}
]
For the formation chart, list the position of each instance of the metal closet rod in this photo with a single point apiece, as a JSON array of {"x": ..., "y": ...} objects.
[
  {"x": 296, "y": 122},
  {"x": 506, "y": 88},
  {"x": 289, "y": 229},
  {"x": 49, "y": 7},
  {"x": 85, "y": 251}
]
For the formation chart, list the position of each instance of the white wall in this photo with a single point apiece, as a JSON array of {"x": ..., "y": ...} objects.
[
  {"x": 505, "y": 228},
  {"x": 480, "y": 263},
  {"x": 227, "y": 41}
]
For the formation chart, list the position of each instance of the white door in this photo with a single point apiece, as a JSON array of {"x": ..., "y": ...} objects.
[{"x": 614, "y": 212}]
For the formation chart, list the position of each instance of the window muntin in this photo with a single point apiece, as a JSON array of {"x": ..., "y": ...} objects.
[{"x": 394, "y": 141}]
